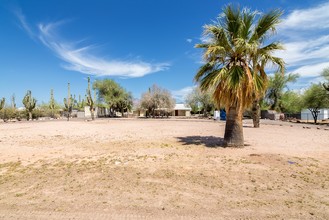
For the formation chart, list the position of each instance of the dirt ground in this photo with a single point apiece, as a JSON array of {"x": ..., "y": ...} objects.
[{"x": 162, "y": 169}]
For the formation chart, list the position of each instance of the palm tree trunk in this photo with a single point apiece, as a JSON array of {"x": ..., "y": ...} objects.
[
  {"x": 275, "y": 102},
  {"x": 256, "y": 113},
  {"x": 233, "y": 130},
  {"x": 92, "y": 112}
]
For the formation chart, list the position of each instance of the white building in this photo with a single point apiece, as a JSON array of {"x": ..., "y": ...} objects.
[
  {"x": 181, "y": 110},
  {"x": 99, "y": 112},
  {"x": 323, "y": 114}
]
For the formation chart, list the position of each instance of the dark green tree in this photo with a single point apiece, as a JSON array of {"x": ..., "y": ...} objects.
[
  {"x": 314, "y": 99},
  {"x": 110, "y": 93},
  {"x": 291, "y": 102}
]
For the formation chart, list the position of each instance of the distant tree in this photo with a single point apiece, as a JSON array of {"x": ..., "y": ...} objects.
[
  {"x": 125, "y": 103},
  {"x": 314, "y": 99},
  {"x": 81, "y": 104},
  {"x": 325, "y": 74},
  {"x": 275, "y": 91},
  {"x": 68, "y": 103},
  {"x": 291, "y": 102},
  {"x": 116, "y": 98},
  {"x": 159, "y": 99},
  {"x": 193, "y": 100},
  {"x": 30, "y": 103},
  {"x": 200, "y": 101}
]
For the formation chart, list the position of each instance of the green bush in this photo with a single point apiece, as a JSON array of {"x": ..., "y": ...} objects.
[{"x": 8, "y": 113}]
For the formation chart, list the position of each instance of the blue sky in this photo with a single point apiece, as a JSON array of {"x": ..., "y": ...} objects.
[{"x": 46, "y": 44}]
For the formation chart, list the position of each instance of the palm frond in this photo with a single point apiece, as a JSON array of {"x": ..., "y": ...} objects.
[
  {"x": 266, "y": 23},
  {"x": 203, "y": 70}
]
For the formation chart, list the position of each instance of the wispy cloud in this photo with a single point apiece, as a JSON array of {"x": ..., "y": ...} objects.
[
  {"x": 189, "y": 40},
  {"x": 82, "y": 59},
  {"x": 181, "y": 94},
  {"x": 305, "y": 34},
  {"x": 305, "y": 51},
  {"x": 314, "y": 18},
  {"x": 23, "y": 23},
  {"x": 311, "y": 70}
]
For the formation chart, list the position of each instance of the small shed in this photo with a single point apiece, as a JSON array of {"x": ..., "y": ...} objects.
[
  {"x": 181, "y": 110},
  {"x": 99, "y": 112}
]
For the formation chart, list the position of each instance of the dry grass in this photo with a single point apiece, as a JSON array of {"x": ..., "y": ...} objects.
[{"x": 161, "y": 169}]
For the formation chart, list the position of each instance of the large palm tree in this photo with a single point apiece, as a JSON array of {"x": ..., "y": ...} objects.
[{"x": 235, "y": 63}]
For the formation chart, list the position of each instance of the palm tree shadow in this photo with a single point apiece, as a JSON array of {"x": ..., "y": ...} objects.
[{"x": 207, "y": 141}]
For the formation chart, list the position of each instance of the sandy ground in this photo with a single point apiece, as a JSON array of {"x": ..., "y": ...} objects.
[{"x": 162, "y": 169}]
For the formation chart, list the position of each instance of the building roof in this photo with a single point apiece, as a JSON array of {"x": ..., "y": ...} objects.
[{"x": 182, "y": 107}]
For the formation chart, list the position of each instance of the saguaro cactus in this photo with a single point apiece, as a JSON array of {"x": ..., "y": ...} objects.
[
  {"x": 90, "y": 101},
  {"x": 2, "y": 103},
  {"x": 52, "y": 103},
  {"x": 29, "y": 102},
  {"x": 68, "y": 102},
  {"x": 13, "y": 103},
  {"x": 81, "y": 103}
]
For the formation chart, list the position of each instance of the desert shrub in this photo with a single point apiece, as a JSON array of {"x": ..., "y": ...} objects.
[{"x": 8, "y": 113}]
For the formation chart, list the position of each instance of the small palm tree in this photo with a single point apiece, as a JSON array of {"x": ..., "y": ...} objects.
[
  {"x": 260, "y": 59},
  {"x": 277, "y": 84},
  {"x": 234, "y": 67}
]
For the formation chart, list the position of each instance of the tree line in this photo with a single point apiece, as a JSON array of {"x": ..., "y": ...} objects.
[
  {"x": 276, "y": 97},
  {"x": 105, "y": 93}
]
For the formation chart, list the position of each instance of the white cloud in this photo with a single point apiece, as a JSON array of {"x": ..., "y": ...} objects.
[
  {"x": 311, "y": 70},
  {"x": 180, "y": 95},
  {"x": 307, "y": 19},
  {"x": 189, "y": 40},
  {"x": 308, "y": 50},
  {"x": 81, "y": 59},
  {"x": 305, "y": 34}
]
